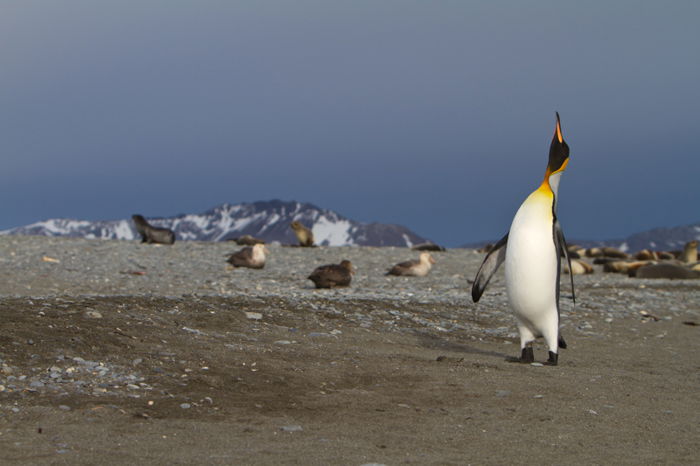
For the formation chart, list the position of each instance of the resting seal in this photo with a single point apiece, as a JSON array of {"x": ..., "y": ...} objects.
[
  {"x": 247, "y": 240},
  {"x": 578, "y": 267},
  {"x": 428, "y": 247},
  {"x": 151, "y": 234},
  {"x": 665, "y": 271}
]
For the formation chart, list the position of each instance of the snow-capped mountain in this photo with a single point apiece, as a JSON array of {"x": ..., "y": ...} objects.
[
  {"x": 268, "y": 220},
  {"x": 662, "y": 239}
]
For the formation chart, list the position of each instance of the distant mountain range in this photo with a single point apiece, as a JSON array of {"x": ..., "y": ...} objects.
[
  {"x": 657, "y": 239},
  {"x": 268, "y": 220},
  {"x": 660, "y": 239}
]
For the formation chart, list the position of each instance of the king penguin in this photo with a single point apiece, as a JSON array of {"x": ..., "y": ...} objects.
[{"x": 531, "y": 251}]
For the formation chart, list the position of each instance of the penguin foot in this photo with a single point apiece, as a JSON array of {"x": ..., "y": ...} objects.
[
  {"x": 561, "y": 342},
  {"x": 526, "y": 356},
  {"x": 553, "y": 359}
]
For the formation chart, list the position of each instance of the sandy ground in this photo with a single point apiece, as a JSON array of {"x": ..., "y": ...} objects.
[{"x": 267, "y": 380}]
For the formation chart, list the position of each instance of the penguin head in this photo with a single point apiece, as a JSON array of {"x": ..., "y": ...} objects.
[{"x": 558, "y": 152}]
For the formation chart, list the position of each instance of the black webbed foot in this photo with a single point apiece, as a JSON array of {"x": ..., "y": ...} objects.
[
  {"x": 526, "y": 356},
  {"x": 553, "y": 359}
]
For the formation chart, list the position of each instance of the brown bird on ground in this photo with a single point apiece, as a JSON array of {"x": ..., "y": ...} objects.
[
  {"x": 332, "y": 275},
  {"x": 252, "y": 257},
  {"x": 414, "y": 268}
]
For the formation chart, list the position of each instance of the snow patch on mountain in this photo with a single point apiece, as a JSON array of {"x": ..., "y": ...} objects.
[
  {"x": 268, "y": 220},
  {"x": 330, "y": 233}
]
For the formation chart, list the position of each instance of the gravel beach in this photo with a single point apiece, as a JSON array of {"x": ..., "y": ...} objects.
[{"x": 116, "y": 352}]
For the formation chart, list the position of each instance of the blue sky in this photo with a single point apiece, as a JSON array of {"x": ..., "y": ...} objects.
[{"x": 435, "y": 115}]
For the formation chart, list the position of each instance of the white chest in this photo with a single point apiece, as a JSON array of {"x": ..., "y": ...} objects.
[
  {"x": 531, "y": 257},
  {"x": 258, "y": 256}
]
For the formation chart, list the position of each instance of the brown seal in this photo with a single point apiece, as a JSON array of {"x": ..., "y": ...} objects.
[
  {"x": 575, "y": 251},
  {"x": 304, "y": 235},
  {"x": 151, "y": 234},
  {"x": 614, "y": 252},
  {"x": 690, "y": 252},
  {"x": 646, "y": 255},
  {"x": 579, "y": 267},
  {"x": 252, "y": 257},
  {"x": 332, "y": 275},
  {"x": 247, "y": 240},
  {"x": 665, "y": 270},
  {"x": 428, "y": 247},
  {"x": 618, "y": 266},
  {"x": 414, "y": 268}
]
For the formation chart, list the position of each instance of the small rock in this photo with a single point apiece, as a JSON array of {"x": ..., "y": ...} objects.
[
  {"x": 283, "y": 342},
  {"x": 2, "y": 388},
  {"x": 15, "y": 410},
  {"x": 292, "y": 428},
  {"x": 93, "y": 315},
  {"x": 36, "y": 384},
  {"x": 253, "y": 315},
  {"x": 64, "y": 407},
  {"x": 502, "y": 393},
  {"x": 137, "y": 361},
  {"x": 538, "y": 396},
  {"x": 185, "y": 406},
  {"x": 536, "y": 364}
]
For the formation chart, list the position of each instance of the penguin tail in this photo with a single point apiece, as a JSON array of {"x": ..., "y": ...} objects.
[{"x": 562, "y": 343}]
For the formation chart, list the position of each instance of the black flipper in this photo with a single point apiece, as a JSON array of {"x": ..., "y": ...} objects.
[
  {"x": 493, "y": 260},
  {"x": 562, "y": 250}
]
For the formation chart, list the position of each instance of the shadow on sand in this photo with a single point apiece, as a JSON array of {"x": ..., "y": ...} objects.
[{"x": 434, "y": 342}]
